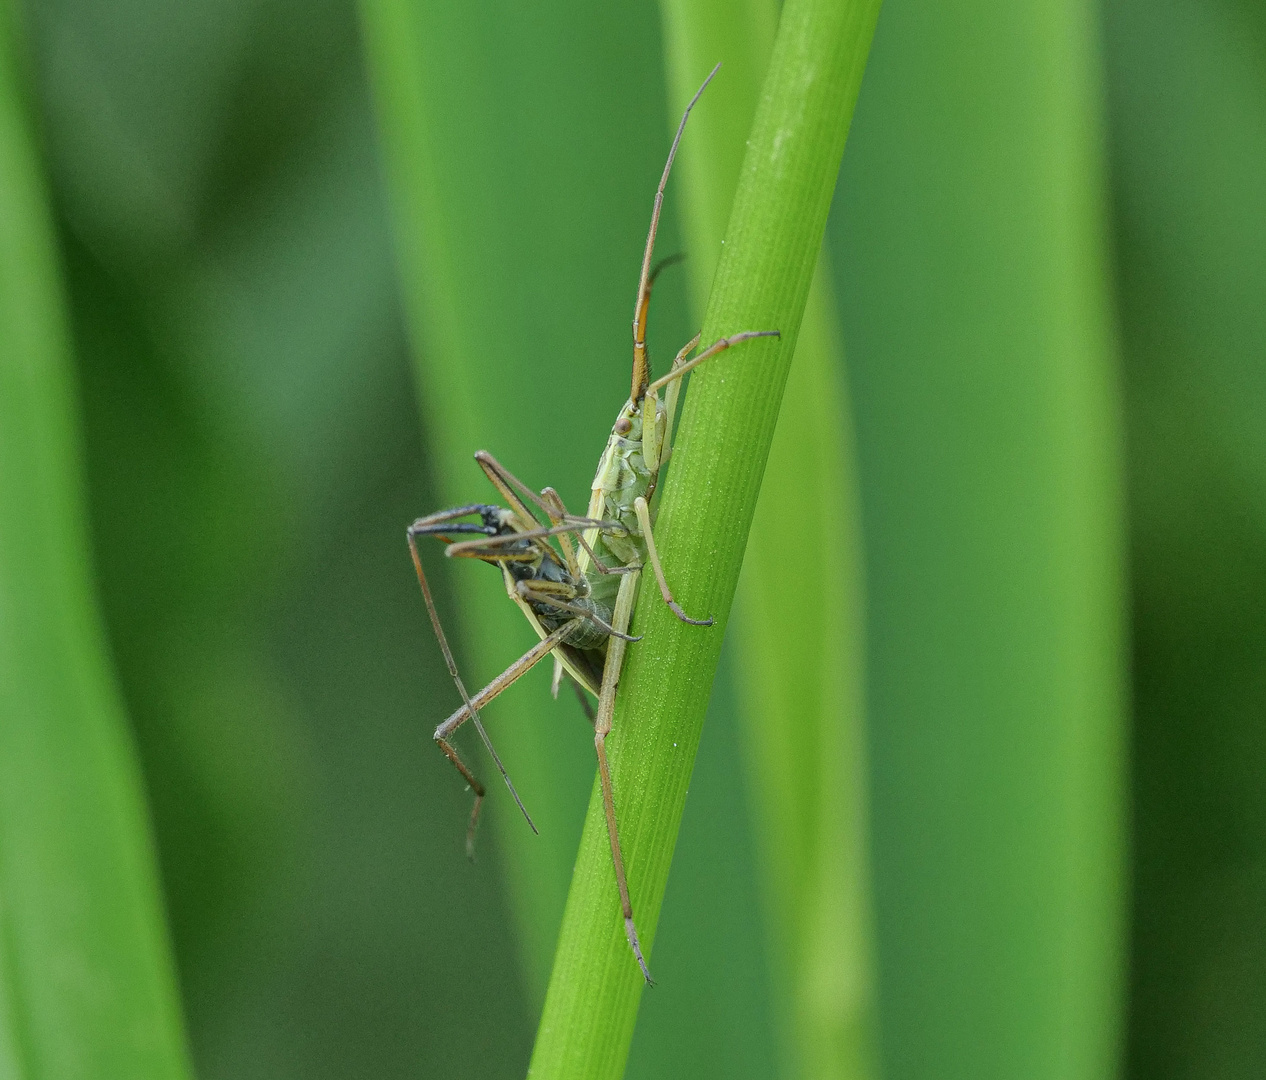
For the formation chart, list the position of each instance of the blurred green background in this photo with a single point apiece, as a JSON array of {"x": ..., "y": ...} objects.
[{"x": 251, "y": 450}]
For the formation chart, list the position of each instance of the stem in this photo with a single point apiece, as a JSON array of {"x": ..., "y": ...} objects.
[
  {"x": 762, "y": 282},
  {"x": 797, "y": 630}
]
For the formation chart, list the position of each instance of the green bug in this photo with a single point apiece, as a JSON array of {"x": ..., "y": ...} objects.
[{"x": 579, "y": 597}]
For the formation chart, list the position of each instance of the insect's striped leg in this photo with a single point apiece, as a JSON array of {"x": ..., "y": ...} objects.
[
  {"x": 602, "y": 727},
  {"x": 644, "y": 522}
]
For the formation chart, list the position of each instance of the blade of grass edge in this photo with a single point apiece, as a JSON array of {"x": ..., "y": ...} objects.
[
  {"x": 763, "y": 281},
  {"x": 797, "y": 623},
  {"x": 87, "y": 986}
]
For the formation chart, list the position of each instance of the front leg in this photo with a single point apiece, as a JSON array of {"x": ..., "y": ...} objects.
[{"x": 644, "y": 521}]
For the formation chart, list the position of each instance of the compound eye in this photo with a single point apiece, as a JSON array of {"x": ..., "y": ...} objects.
[{"x": 623, "y": 426}]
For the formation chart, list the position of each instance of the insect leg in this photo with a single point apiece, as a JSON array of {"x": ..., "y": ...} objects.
[
  {"x": 560, "y": 673},
  {"x": 584, "y": 701},
  {"x": 680, "y": 369},
  {"x": 558, "y": 595},
  {"x": 506, "y": 679},
  {"x": 602, "y": 568},
  {"x": 550, "y": 502},
  {"x": 656, "y": 457},
  {"x": 644, "y": 520},
  {"x": 450, "y": 752},
  {"x": 431, "y": 523},
  {"x": 509, "y": 485},
  {"x": 664, "y": 264},
  {"x": 653, "y": 453},
  {"x": 485, "y": 547},
  {"x": 552, "y": 505},
  {"x": 598, "y": 564},
  {"x": 602, "y": 727},
  {"x": 588, "y": 523},
  {"x": 470, "y": 709},
  {"x": 579, "y": 526},
  {"x": 558, "y": 513},
  {"x": 441, "y": 737}
]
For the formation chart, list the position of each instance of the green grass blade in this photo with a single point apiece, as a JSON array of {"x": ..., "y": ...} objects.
[
  {"x": 797, "y": 621},
  {"x": 799, "y": 633},
  {"x": 1187, "y": 94},
  {"x": 978, "y": 319},
  {"x": 86, "y": 981},
  {"x": 762, "y": 281}
]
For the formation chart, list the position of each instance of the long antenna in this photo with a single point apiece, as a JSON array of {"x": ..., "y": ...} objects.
[{"x": 641, "y": 369}]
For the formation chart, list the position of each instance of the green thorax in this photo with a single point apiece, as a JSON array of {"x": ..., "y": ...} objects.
[{"x": 622, "y": 476}]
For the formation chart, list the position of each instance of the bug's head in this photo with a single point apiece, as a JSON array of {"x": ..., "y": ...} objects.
[
  {"x": 492, "y": 537},
  {"x": 493, "y": 521},
  {"x": 629, "y": 424}
]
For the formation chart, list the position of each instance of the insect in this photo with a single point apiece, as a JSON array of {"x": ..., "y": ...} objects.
[{"x": 576, "y": 578}]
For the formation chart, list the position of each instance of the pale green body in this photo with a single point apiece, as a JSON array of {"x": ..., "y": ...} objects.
[{"x": 622, "y": 476}]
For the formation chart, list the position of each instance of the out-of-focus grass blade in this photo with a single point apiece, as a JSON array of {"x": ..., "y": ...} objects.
[
  {"x": 762, "y": 281},
  {"x": 800, "y": 648},
  {"x": 974, "y": 294},
  {"x": 798, "y": 619},
  {"x": 86, "y": 981},
  {"x": 523, "y": 149},
  {"x": 1187, "y": 96},
  {"x": 251, "y": 448}
]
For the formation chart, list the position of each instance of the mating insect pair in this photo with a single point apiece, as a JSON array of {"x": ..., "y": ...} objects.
[{"x": 576, "y": 578}]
